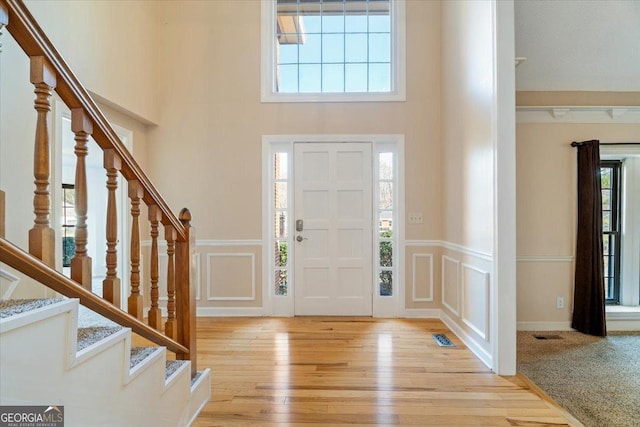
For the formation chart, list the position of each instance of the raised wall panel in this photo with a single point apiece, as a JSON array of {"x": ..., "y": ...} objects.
[
  {"x": 231, "y": 277},
  {"x": 475, "y": 300},
  {"x": 451, "y": 284},
  {"x": 422, "y": 277}
]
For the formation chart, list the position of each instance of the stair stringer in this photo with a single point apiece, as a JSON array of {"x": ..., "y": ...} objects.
[{"x": 40, "y": 366}]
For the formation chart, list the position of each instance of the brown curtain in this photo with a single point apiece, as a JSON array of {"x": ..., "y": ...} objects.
[{"x": 589, "y": 300}]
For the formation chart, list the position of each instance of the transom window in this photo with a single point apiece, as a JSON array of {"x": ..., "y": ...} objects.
[{"x": 333, "y": 50}]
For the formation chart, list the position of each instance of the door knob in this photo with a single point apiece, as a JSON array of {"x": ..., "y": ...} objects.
[{"x": 299, "y": 238}]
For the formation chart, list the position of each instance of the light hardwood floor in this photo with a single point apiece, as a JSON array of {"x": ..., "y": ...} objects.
[{"x": 354, "y": 371}]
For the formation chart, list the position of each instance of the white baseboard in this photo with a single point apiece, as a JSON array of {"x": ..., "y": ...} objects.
[
  {"x": 422, "y": 313},
  {"x": 229, "y": 312},
  {"x": 623, "y": 324},
  {"x": 545, "y": 326},
  {"x": 468, "y": 340},
  {"x": 613, "y": 324}
]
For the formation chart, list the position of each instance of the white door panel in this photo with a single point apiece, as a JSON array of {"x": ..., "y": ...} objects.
[{"x": 333, "y": 264}]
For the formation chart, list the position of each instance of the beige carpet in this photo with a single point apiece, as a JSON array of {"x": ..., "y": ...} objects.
[{"x": 597, "y": 380}]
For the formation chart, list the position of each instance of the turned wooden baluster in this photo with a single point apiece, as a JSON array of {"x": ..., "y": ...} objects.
[
  {"x": 111, "y": 283},
  {"x": 42, "y": 236},
  {"x": 185, "y": 290},
  {"x": 136, "y": 192},
  {"x": 155, "y": 316},
  {"x": 81, "y": 262},
  {"x": 170, "y": 329}
]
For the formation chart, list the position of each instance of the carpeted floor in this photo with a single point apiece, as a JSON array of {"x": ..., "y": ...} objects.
[{"x": 597, "y": 380}]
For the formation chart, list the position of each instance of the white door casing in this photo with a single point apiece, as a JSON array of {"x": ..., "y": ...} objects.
[{"x": 333, "y": 197}]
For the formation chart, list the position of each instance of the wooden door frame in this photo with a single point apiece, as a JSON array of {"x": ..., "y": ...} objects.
[{"x": 393, "y": 306}]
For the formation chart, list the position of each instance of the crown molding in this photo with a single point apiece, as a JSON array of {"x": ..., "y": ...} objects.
[{"x": 578, "y": 114}]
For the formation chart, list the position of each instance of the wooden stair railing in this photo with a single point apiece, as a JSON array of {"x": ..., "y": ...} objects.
[
  {"x": 37, "y": 270},
  {"x": 50, "y": 72}
]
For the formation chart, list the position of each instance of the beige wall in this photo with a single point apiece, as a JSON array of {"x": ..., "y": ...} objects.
[
  {"x": 200, "y": 82},
  {"x": 467, "y": 124},
  {"x": 194, "y": 68},
  {"x": 206, "y": 152},
  {"x": 469, "y": 135},
  {"x": 212, "y": 119},
  {"x": 546, "y": 187},
  {"x": 110, "y": 46}
]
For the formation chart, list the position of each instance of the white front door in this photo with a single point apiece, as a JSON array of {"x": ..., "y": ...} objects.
[{"x": 333, "y": 229}]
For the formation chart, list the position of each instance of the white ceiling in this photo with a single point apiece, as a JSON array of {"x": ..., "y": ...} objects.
[{"x": 578, "y": 45}]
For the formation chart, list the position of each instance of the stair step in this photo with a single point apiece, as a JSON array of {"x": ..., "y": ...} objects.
[
  {"x": 91, "y": 335},
  {"x": 172, "y": 366},
  {"x": 13, "y": 307},
  {"x": 89, "y": 318},
  {"x": 198, "y": 375},
  {"x": 138, "y": 354}
]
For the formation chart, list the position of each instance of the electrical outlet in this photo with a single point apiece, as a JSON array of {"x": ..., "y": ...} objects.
[
  {"x": 415, "y": 218},
  {"x": 559, "y": 302}
]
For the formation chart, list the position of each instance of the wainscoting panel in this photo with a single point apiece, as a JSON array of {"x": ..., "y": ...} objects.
[
  {"x": 451, "y": 284},
  {"x": 231, "y": 277},
  {"x": 227, "y": 276},
  {"x": 422, "y": 277},
  {"x": 475, "y": 300}
]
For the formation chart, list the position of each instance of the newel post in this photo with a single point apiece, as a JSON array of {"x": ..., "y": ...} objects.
[
  {"x": 42, "y": 236},
  {"x": 185, "y": 289}
]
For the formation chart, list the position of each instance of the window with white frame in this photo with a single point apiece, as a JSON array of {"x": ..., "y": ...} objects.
[
  {"x": 333, "y": 50},
  {"x": 385, "y": 177},
  {"x": 281, "y": 260}
]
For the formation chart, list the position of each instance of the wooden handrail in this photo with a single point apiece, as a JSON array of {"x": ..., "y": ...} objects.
[
  {"x": 37, "y": 270},
  {"x": 50, "y": 72},
  {"x": 34, "y": 42}
]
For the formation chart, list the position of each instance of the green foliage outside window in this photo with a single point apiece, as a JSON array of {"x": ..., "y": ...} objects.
[
  {"x": 386, "y": 260},
  {"x": 282, "y": 250}
]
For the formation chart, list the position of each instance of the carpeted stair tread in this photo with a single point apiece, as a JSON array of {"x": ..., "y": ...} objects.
[
  {"x": 138, "y": 354},
  {"x": 13, "y": 307},
  {"x": 88, "y": 318},
  {"x": 172, "y": 366},
  {"x": 91, "y": 335},
  {"x": 194, "y": 379}
]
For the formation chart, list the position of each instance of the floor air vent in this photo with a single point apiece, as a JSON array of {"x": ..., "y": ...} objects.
[
  {"x": 442, "y": 340},
  {"x": 547, "y": 337}
]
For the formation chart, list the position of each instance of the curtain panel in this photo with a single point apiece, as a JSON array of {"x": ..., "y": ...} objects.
[{"x": 589, "y": 299}]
